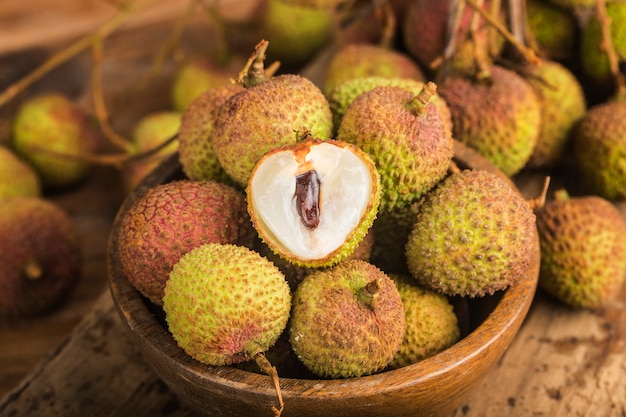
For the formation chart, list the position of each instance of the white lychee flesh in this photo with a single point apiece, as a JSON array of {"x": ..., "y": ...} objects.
[{"x": 345, "y": 195}]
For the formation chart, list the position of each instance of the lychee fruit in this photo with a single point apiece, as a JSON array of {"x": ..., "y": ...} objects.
[
  {"x": 347, "y": 321},
  {"x": 473, "y": 235},
  {"x": 500, "y": 117},
  {"x": 599, "y": 147},
  {"x": 357, "y": 60},
  {"x": 40, "y": 257},
  {"x": 226, "y": 304},
  {"x": 17, "y": 177},
  {"x": 431, "y": 322},
  {"x": 150, "y": 132},
  {"x": 583, "y": 249},
  {"x": 406, "y": 136},
  {"x": 196, "y": 153},
  {"x": 53, "y": 134}
]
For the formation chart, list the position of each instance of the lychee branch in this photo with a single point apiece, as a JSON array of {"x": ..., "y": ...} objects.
[
  {"x": 528, "y": 54},
  {"x": 98, "y": 100},
  {"x": 267, "y": 368},
  {"x": 607, "y": 46},
  {"x": 72, "y": 50}
]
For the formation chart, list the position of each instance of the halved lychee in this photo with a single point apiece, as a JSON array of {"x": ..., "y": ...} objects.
[{"x": 313, "y": 202}]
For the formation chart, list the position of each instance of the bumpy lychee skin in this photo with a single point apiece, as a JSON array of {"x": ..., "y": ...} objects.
[
  {"x": 225, "y": 303},
  {"x": 344, "y": 94},
  {"x": 431, "y": 323},
  {"x": 52, "y": 133},
  {"x": 171, "y": 219},
  {"x": 264, "y": 117},
  {"x": 296, "y": 32},
  {"x": 17, "y": 177},
  {"x": 313, "y": 203},
  {"x": 599, "y": 140},
  {"x": 473, "y": 235},
  {"x": 356, "y": 60},
  {"x": 196, "y": 152},
  {"x": 555, "y": 30},
  {"x": 500, "y": 118},
  {"x": 583, "y": 249},
  {"x": 562, "y": 103},
  {"x": 347, "y": 321},
  {"x": 406, "y": 137},
  {"x": 40, "y": 257}
]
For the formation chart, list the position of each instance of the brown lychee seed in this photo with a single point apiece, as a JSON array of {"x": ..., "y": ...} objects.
[
  {"x": 313, "y": 203},
  {"x": 40, "y": 258},
  {"x": 173, "y": 218}
]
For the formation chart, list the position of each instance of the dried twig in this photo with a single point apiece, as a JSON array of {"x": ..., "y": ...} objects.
[
  {"x": 74, "y": 49},
  {"x": 98, "y": 100},
  {"x": 607, "y": 46},
  {"x": 526, "y": 52}
]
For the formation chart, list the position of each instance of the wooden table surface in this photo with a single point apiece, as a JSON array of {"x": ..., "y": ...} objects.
[{"x": 77, "y": 361}]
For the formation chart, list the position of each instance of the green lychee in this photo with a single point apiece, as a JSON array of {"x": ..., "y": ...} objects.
[
  {"x": 473, "y": 235},
  {"x": 599, "y": 143},
  {"x": 593, "y": 57},
  {"x": 431, "y": 323},
  {"x": 499, "y": 117},
  {"x": 40, "y": 256},
  {"x": 405, "y": 135},
  {"x": 347, "y": 321},
  {"x": 563, "y": 104},
  {"x": 151, "y": 131},
  {"x": 53, "y": 134},
  {"x": 200, "y": 74},
  {"x": 17, "y": 177},
  {"x": 295, "y": 32},
  {"x": 226, "y": 304},
  {"x": 357, "y": 60},
  {"x": 555, "y": 30},
  {"x": 583, "y": 249},
  {"x": 313, "y": 203},
  {"x": 169, "y": 220},
  {"x": 223, "y": 303},
  {"x": 196, "y": 152}
]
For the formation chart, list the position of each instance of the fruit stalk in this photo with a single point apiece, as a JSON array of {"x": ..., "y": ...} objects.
[{"x": 267, "y": 368}]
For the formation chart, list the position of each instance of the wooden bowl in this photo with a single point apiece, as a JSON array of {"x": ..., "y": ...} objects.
[{"x": 432, "y": 387}]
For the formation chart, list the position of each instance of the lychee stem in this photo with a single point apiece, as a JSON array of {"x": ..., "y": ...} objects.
[
  {"x": 32, "y": 270},
  {"x": 267, "y": 368},
  {"x": 540, "y": 201},
  {"x": 369, "y": 294},
  {"x": 607, "y": 46},
  {"x": 107, "y": 28},
  {"x": 418, "y": 104},
  {"x": 253, "y": 72}
]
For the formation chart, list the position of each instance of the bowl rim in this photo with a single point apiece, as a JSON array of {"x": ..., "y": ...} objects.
[{"x": 497, "y": 330}]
